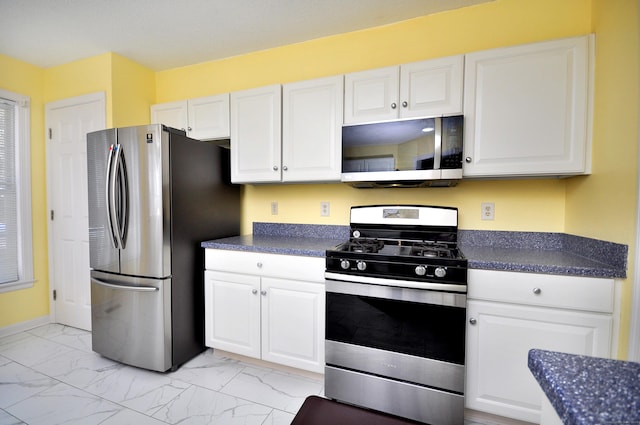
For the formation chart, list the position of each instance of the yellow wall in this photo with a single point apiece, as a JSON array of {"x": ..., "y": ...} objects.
[
  {"x": 603, "y": 205},
  {"x": 133, "y": 92},
  {"x": 81, "y": 77},
  {"x": 27, "y": 304}
]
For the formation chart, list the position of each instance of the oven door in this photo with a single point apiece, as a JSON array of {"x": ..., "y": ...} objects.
[
  {"x": 397, "y": 350},
  {"x": 408, "y": 334}
]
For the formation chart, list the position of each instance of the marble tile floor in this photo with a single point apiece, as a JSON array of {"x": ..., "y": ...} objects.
[{"x": 49, "y": 375}]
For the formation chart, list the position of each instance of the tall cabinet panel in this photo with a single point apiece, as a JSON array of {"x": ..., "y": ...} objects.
[
  {"x": 256, "y": 135},
  {"x": 527, "y": 109},
  {"x": 312, "y": 130}
]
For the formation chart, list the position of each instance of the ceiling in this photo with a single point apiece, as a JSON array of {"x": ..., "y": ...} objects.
[{"x": 164, "y": 34}]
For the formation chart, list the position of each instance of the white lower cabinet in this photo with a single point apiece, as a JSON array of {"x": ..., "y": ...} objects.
[
  {"x": 509, "y": 314},
  {"x": 256, "y": 305}
]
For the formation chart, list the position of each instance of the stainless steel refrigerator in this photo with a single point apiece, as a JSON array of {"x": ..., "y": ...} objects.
[{"x": 154, "y": 196}]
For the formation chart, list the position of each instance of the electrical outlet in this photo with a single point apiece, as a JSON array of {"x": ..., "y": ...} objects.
[
  {"x": 274, "y": 208},
  {"x": 488, "y": 210},
  {"x": 324, "y": 209}
]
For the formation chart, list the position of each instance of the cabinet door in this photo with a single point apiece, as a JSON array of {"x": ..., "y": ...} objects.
[
  {"x": 498, "y": 343},
  {"x": 526, "y": 110},
  {"x": 312, "y": 130},
  {"x": 172, "y": 114},
  {"x": 256, "y": 135},
  {"x": 371, "y": 95},
  {"x": 232, "y": 312},
  {"x": 293, "y": 323},
  {"x": 431, "y": 88},
  {"x": 209, "y": 117}
]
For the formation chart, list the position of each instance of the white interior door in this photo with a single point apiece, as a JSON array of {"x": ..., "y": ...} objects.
[{"x": 67, "y": 124}]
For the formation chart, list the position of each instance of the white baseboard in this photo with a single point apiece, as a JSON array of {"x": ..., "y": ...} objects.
[
  {"x": 481, "y": 418},
  {"x": 24, "y": 326}
]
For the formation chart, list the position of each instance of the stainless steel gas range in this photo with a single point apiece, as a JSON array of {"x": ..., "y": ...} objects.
[{"x": 395, "y": 314}]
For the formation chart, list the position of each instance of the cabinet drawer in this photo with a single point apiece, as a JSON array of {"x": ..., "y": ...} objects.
[
  {"x": 569, "y": 292},
  {"x": 310, "y": 269}
]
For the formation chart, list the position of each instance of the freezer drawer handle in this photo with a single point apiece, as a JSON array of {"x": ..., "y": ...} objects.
[{"x": 125, "y": 287}]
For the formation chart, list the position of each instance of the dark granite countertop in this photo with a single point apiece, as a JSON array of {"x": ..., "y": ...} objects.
[
  {"x": 289, "y": 239},
  {"x": 588, "y": 390},
  {"x": 533, "y": 252},
  {"x": 288, "y": 245},
  {"x": 537, "y": 252}
]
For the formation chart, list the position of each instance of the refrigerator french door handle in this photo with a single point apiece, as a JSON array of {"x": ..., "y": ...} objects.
[
  {"x": 110, "y": 196},
  {"x": 116, "y": 197},
  {"x": 125, "y": 287},
  {"x": 123, "y": 188}
]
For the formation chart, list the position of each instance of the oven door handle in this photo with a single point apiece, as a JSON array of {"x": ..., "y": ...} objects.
[{"x": 421, "y": 292}]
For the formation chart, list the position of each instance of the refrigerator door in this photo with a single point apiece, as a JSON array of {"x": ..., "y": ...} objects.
[
  {"x": 146, "y": 247},
  {"x": 131, "y": 320},
  {"x": 103, "y": 254}
]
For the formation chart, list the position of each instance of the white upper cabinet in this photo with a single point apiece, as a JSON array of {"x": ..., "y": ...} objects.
[
  {"x": 291, "y": 133},
  {"x": 527, "y": 109},
  {"x": 256, "y": 135},
  {"x": 312, "y": 130},
  {"x": 203, "y": 118},
  {"x": 172, "y": 114},
  {"x": 419, "y": 89}
]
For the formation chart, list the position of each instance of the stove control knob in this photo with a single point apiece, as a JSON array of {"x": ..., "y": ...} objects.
[
  {"x": 440, "y": 272},
  {"x": 361, "y": 265},
  {"x": 345, "y": 264},
  {"x": 421, "y": 270}
]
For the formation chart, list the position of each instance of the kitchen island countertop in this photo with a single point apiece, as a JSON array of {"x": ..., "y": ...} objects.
[
  {"x": 587, "y": 390},
  {"x": 532, "y": 252}
]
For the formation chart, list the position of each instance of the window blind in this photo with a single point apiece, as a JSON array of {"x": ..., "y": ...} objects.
[{"x": 8, "y": 193}]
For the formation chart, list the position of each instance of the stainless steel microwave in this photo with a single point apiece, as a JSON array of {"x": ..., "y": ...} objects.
[{"x": 408, "y": 153}]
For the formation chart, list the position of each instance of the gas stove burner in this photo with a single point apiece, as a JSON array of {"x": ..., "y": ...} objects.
[
  {"x": 364, "y": 245},
  {"x": 431, "y": 250}
]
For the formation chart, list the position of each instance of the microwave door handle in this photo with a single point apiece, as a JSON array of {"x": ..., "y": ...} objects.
[
  {"x": 117, "y": 197},
  {"x": 437, "y": 153},
  {"x": 110, "y": 198}
]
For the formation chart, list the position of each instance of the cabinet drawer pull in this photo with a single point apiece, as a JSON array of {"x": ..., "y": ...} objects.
[
  {"x": 254, "y": 291},
  {"x": 473, "y": 321},
  {"x": 537, "y": 291}
]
